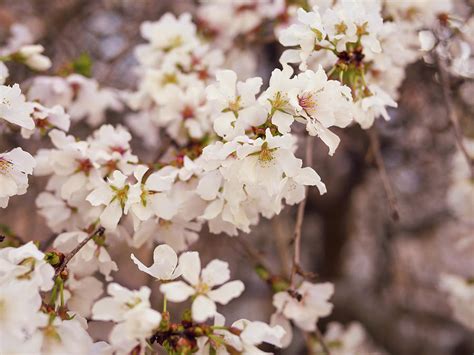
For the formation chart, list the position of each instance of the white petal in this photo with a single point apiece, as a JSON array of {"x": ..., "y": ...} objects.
[
  {"x": 177, "y": 291},
  {"x": 227, "y": 292},
  {"x": 215, "y": 273},
  {"x": 164, "y": 263},
  {"x": 203, "y": 308},
  {"x": 209, "y": 185},
  {"x": 283, "y": 121},
  {"x": 111, "y": 215},
  {"x": 190, "y": 267}
]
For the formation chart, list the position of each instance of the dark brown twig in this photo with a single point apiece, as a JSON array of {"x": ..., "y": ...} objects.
[
  {"x": 99, "y": 232},
  {"x": 253, "y": 254},
  {"x": 375, "y": 148}
]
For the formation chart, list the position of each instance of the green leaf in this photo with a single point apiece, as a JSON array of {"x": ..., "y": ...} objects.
[{"x": 83, "y": 65}]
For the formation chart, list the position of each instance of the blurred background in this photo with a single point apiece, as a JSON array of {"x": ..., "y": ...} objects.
[{"x": 386, "y": 272}]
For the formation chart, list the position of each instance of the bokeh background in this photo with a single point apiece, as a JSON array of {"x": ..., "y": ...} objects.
[{"x": 386, "y": 272}]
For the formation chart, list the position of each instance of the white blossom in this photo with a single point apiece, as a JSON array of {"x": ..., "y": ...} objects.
[
  {"x": 15, "y": 166},
  {"x": 460, "y": 297},
  {"x": 131, "y": 312},
  {"x": 307, "y": 305},
  {"x": 14, "y": 108},
  {"x": 202, "y": 284},
  {"x": 165, "y": 263},
  {"x": 114, "y": 195}
]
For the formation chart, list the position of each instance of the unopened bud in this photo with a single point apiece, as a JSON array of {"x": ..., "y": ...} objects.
[
  {"x": 64, "y": 274},
  {"x": 54, "y": 258}
]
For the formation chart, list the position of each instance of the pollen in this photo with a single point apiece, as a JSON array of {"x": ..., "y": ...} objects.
[
  {"x": 234, "y": 106},
  {"x": 341, "y": 28},
  {"x": 307, "y": 102},
  {"x": 5, "y": 166},
  {"x": 265, "y": 154},
  {"x": 169, "y": 78},
  {"x": 187, "y": 113},
  {"x": 202, "y": 288},
  {"x": 175, "y": 42}
]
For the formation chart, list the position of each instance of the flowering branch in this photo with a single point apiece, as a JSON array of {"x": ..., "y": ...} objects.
[{"x": 98, "y": 233}]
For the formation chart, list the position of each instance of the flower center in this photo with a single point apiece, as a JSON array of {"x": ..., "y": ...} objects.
[
  {"x": 175, "y": 42},
  {"x": 187, "y": 113},
  {"x": 165, "y": 223},
  {"x": 202, "y": 288},
  {"x": 118, "y": 149},
  {"x": 121, "y": 194},
  {"x": 5, "y": 166},
  {"x": 341, "y": 28},
  {"x": 169, "y": 78},
  {"x": 84, "y": 165},
  {"x": 133, "y": 302},
  {"x": 307, "y": 101},
  {"x": 234, "y": 106}
]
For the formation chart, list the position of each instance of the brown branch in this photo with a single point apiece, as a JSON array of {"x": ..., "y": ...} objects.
[
  {"x": 453, "y": 117},
  {"x": 300, "y": 217},
  {"x": 375, "y": 148},
  {"x": 321, "y": 341},
  {"x": 99, "y": 232},
  {"x": 281, "y": 231}
]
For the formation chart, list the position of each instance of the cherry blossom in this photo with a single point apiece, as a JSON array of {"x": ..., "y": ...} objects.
[
  {"x": 114, "y": 195},
  {"x": 165, "y": 264},
  {"x": 14, "y": 108},
  {"x": 305, "y": 305},
  {"x": 201, "y": 284},
  {"x": 132, "y": 313},
  {"x": 15, "y": 166}
]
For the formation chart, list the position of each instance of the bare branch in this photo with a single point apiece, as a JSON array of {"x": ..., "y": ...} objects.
[
  {"x": 253, "y": 254},
  {"x": 300, "y": 216},
  {"x": 375, "y": 148},
  {"x": 453, "y": 117}
]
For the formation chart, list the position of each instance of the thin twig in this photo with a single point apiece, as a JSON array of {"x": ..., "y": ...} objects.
[
  {"x": 453, "y": 117},
  {"x": 166, "y": 142},
  {"x": 281, "y": 240},
  {"x": 253, "y": 254},
  {"x": 375, "y": 147},
  {"x": 300, "y": 217},
  {"x": 99, "y": 232},
  {"x": 48, "y": 242},
  {"x": 321, "y": 341},
  {"x": 309, "y": 343}
]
